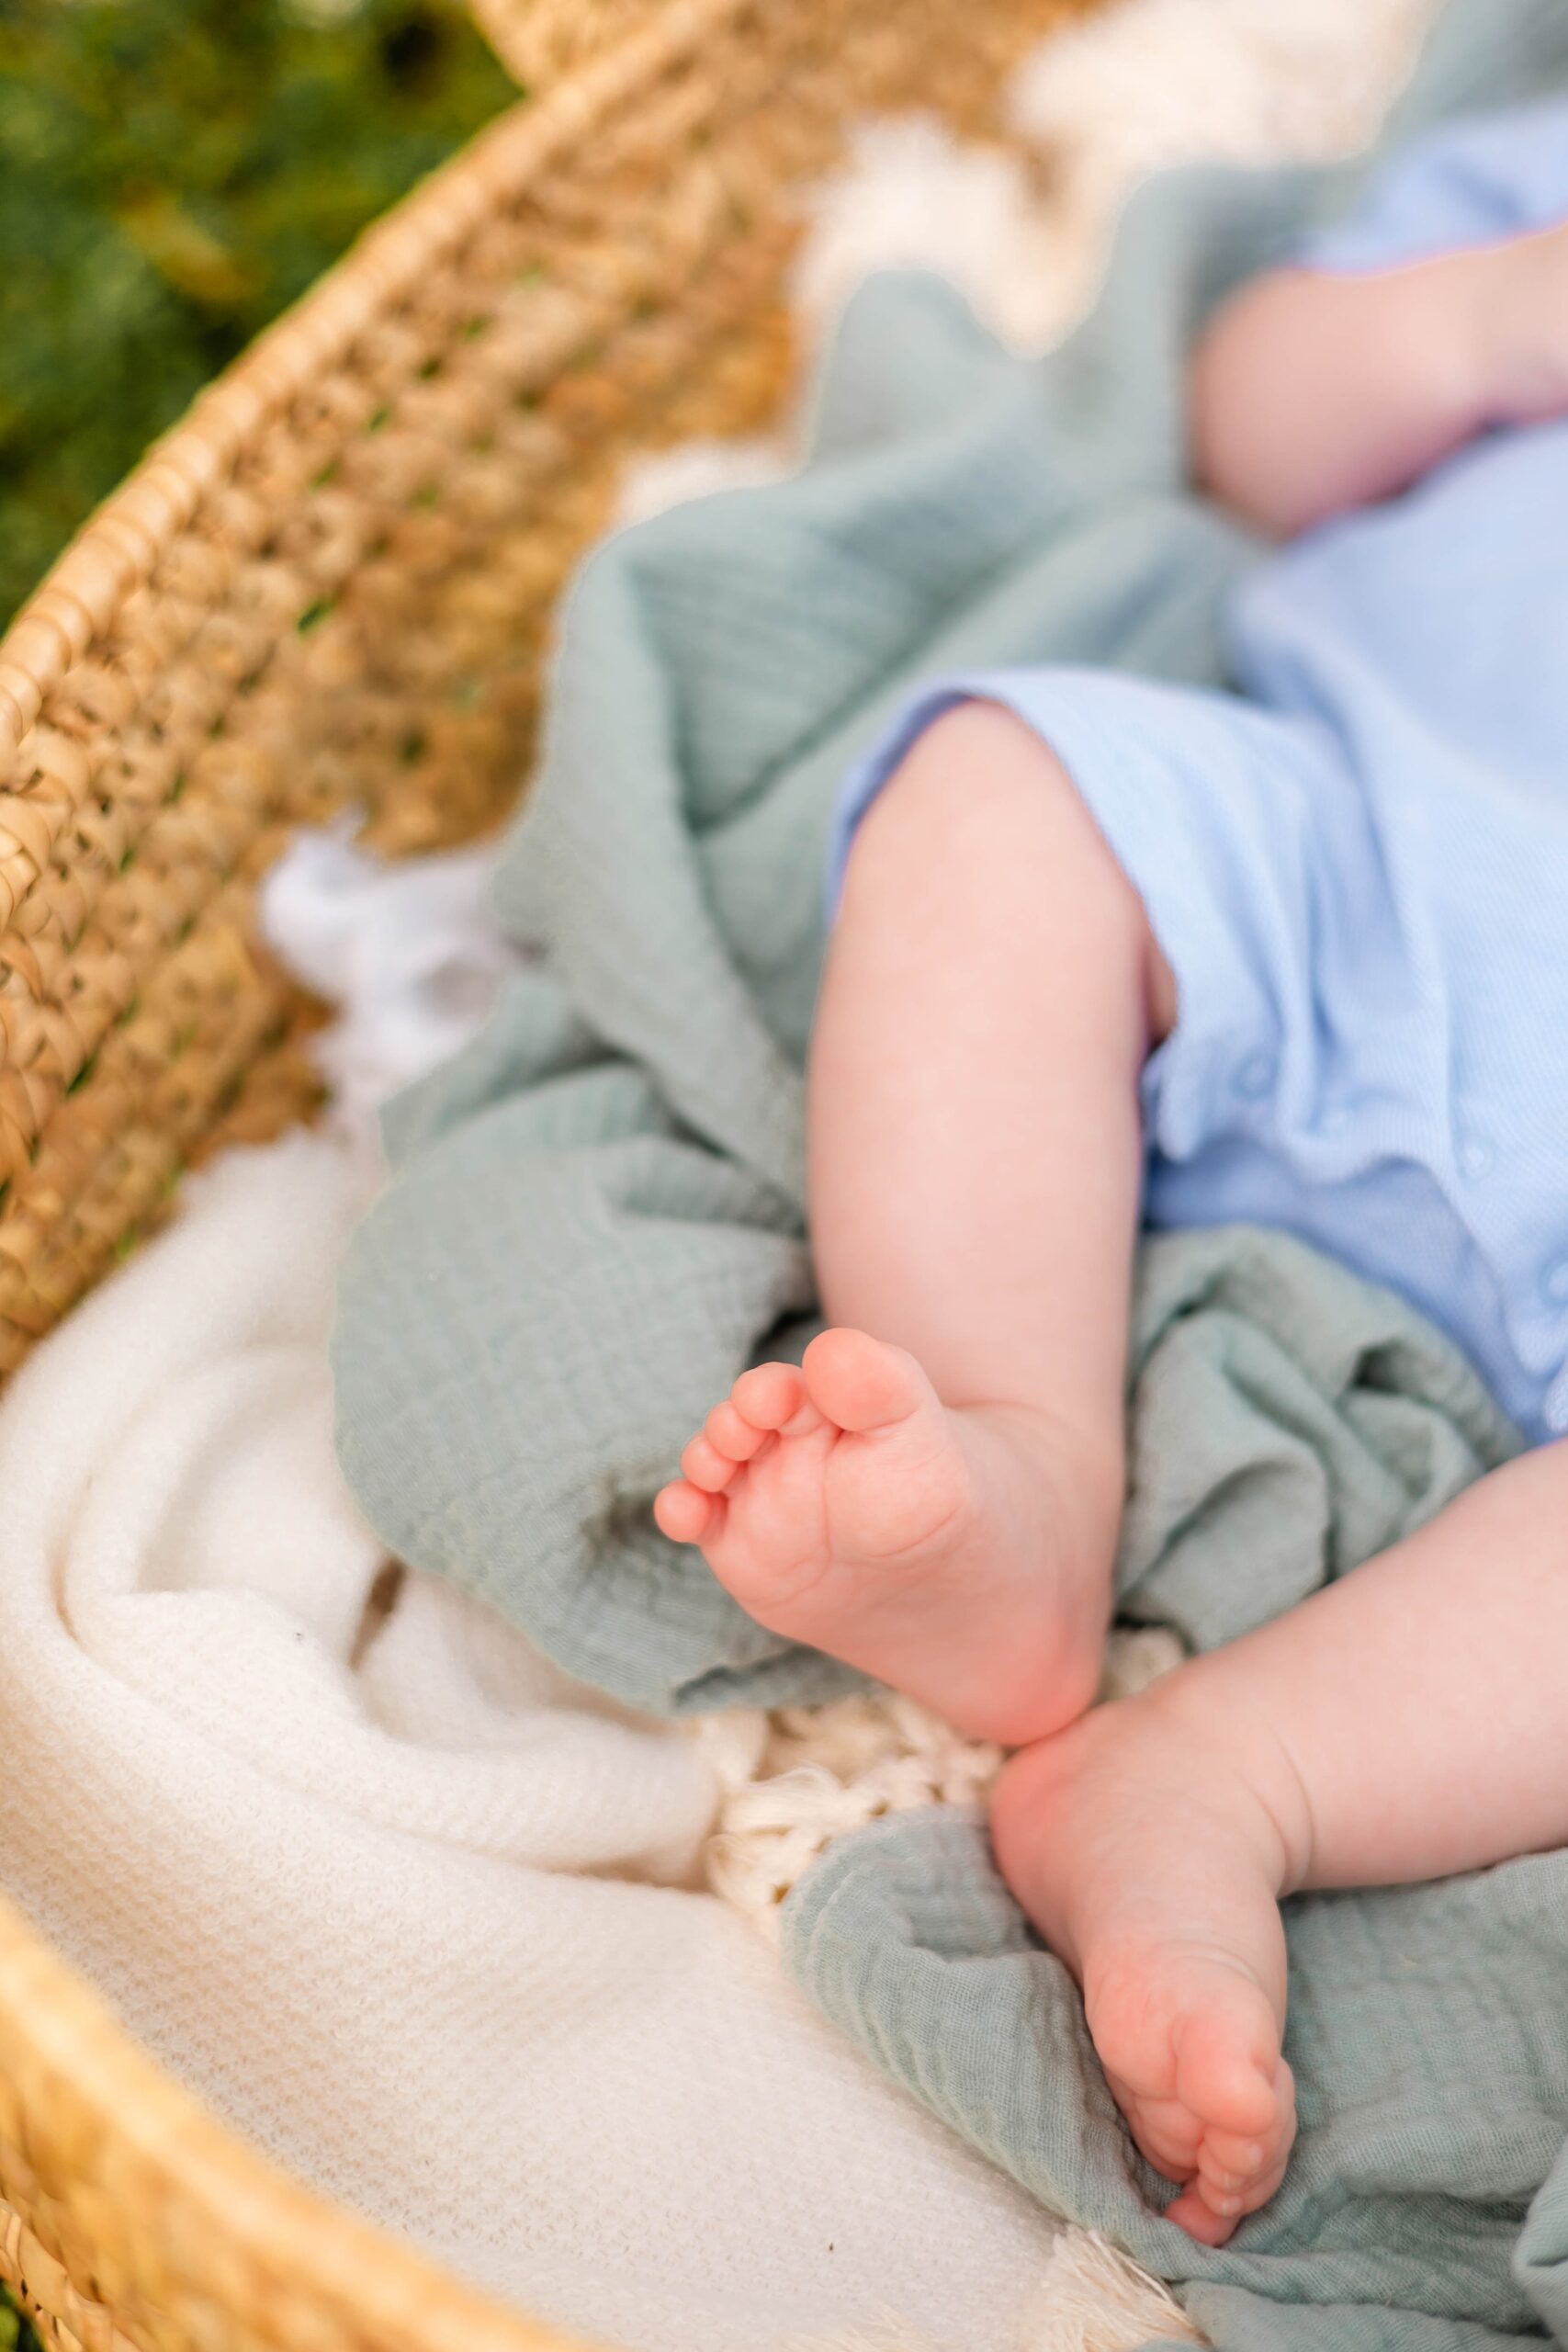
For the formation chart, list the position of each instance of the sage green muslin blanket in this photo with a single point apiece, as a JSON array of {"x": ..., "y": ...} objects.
[{"x": 597, "y": 1220}]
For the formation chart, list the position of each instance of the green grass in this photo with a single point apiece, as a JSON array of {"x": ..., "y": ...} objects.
[
  {"x": 172, "y": 174},
  {"x": 15, "y": 2335}
]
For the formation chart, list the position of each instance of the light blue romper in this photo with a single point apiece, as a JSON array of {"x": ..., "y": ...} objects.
[{"x": 1358, "y": 866}]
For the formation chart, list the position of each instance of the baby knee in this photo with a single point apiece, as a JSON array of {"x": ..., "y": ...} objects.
[
  {"x": 968, "y": 765},
  {"x": 982, "y": 809},
  {"x": 975, "y": 785}
]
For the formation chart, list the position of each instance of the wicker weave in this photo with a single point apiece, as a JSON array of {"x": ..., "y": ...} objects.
[{"x": 331, "y": 585}]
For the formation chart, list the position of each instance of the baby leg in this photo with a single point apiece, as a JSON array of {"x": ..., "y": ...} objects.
[
  {"x": 935, "y": 1495},
  {"x": 1406, "y": 1723}
]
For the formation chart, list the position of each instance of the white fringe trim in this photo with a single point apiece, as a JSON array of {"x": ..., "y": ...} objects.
[
  {"x": 1091, "y": 2299},
  {"x": 1095, "y": 2299}
]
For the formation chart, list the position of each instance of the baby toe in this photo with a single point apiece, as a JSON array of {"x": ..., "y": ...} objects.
[
  {"x": 730, "y": 1434},
  {"x": 1259, "y": 2191},
  {"x": 1230, "y": 2163},
  {"x": 684, "y": 1513},
  {"x": 1231, "y": 2198},
  {"x": 862, "y": 1384},
  {"x": 1227, "y": 2062},
  {"x": 703, "y": 1466},
  {"x": 1192, "y": 2211},
  {"x": 1168, "y": 2135},
  {"x": 1237, "y": 2173},
  {"x": 769, "y": 1396}
]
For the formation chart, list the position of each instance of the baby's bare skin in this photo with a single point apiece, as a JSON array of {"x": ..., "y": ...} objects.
[
  {"x": 1312, "y": 393},
  {"x": 935, "y": 1494}
]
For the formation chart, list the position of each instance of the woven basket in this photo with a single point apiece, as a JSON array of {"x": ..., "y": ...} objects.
[{"x": 331, "y": 586}]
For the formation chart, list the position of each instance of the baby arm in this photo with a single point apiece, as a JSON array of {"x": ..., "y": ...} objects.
[{"x": 1313, "y": 392}]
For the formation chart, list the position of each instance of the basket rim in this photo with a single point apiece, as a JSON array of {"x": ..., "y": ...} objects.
[
  {"x": 291, "y": 2231},
  {"x": 120, "y": 543}
]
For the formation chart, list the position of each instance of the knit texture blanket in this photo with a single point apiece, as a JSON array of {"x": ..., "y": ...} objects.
[
  {"x": 599, "y": 1221},
  {"x": 414, "y": 1912}
]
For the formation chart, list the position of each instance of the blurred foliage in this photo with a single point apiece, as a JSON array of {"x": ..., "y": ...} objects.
[
  {"x": 172, "y": 174},
  {"x": 15, "y": 2335}
]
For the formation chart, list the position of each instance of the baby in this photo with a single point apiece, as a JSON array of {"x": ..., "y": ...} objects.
[{"x": 1108, "y": 951}]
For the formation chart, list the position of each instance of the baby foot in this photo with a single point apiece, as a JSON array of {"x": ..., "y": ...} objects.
[
  {"x": 1151, "y": 1867},
  {"x": 844, "y": 1505}
]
